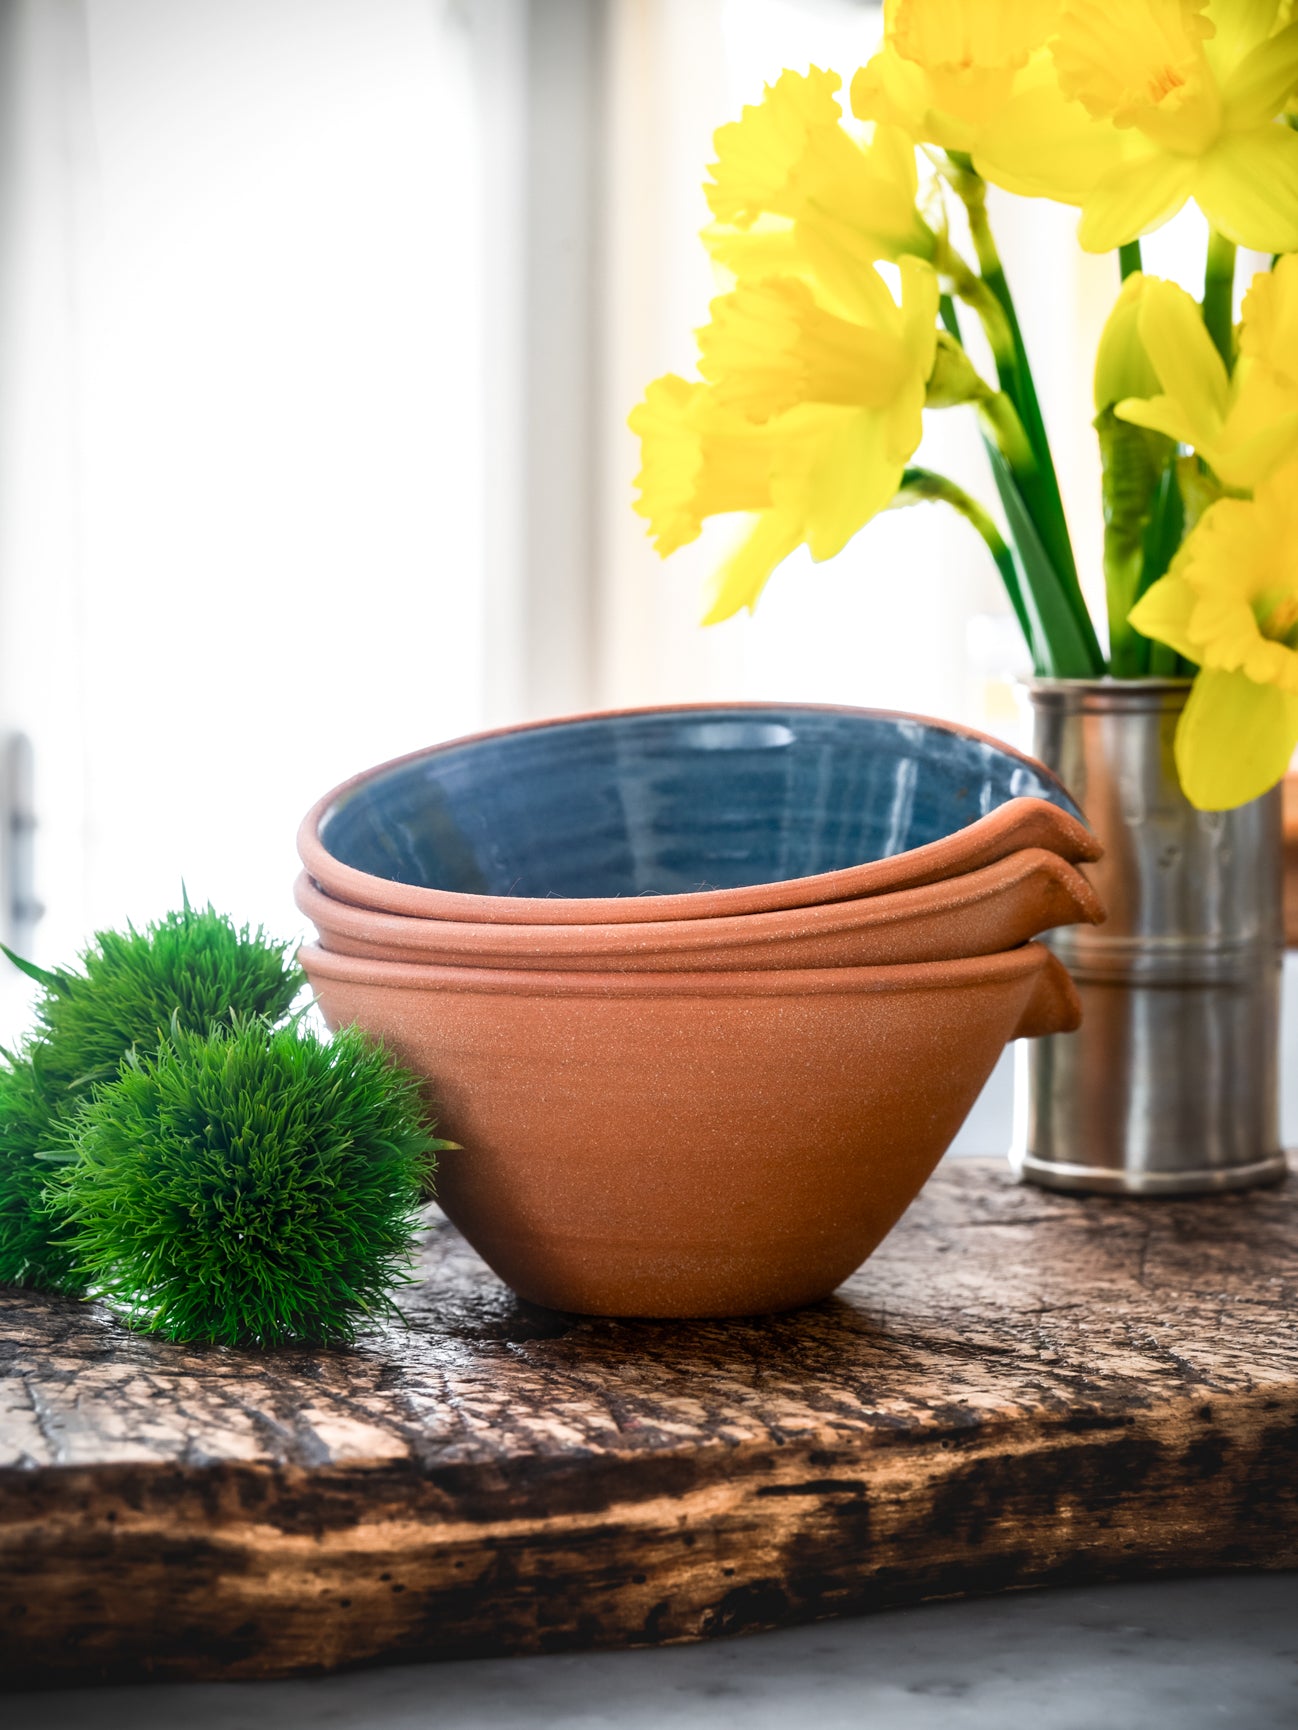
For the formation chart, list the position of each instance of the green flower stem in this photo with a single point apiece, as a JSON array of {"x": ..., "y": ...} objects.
[
  {"x": 1163, "y": 536},
  {"x": 1001, "y": 423},
  {"x": 926, "y": 486},
  {"x": 1039, "y": 488},
  {"x": 1128, "y": 650},
  {"x": 1046, "y": 624},
  {"x": 974, "y": 293},
  {"x": 1219, "y": 293},
  {"x": 1166, "y": 529},
  {"x": 1129, "y": 262},
  {"x": 1136, "y": 470}
]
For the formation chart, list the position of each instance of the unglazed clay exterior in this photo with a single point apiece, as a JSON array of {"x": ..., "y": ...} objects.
[
  {"x": 996, "y": 907},
  {"x": 681, "y": 813},
  {"x": 692, "y": 1144}
]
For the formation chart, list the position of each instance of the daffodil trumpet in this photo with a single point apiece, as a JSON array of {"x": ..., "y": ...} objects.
[{"x": 837, "y": 333}]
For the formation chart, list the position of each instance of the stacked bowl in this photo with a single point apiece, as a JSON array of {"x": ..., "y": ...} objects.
[{"x": 704, "y": 993}]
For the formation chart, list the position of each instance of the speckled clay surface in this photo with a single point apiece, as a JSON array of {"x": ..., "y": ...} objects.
[
  {"x": 681, "y": 813},
  {"x": 994, "y": 908},
  {"x": 692, "y": 1144}
]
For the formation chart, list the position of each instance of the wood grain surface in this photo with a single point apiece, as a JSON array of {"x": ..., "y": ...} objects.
[{"x": 1018, "y": 1388}]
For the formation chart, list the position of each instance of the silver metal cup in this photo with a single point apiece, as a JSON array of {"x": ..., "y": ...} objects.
[{"x": 1171, "y": 1085}]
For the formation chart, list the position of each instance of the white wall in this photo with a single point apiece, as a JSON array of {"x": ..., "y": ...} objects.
[{"x": 247, "y": 552}]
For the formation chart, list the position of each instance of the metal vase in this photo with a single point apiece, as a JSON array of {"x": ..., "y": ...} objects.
[{"x": 1171, "y": 1086}]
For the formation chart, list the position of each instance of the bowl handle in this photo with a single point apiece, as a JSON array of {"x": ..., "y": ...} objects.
[{"x": 1054, "y": 1006}]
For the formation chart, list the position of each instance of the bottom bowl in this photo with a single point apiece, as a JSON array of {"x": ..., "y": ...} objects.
[{"x": 692, "y": 1144}]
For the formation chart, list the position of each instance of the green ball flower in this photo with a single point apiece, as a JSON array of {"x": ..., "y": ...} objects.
[
  {"x": 250, "y": 1186},
  {"x": 190, "y": 970},
  {"x": 33, "y": 1140}
]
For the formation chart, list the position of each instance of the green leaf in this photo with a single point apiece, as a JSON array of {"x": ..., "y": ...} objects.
[
  {"x": 51, "y": 981},
  {"x": 1039, "y": 490},
  {"x": 1166, "y": 529},
  {"x": 1051, "y": 610},
  {"x": 1059, "y": 648},
  {"x": 1133, "y": 465}
]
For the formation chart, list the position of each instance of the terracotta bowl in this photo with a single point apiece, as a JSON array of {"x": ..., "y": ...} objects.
[
  {"x": 692, "y": 1144},
  {"x": 682, "y": 813},
  {"x": 996, "y": 907}
]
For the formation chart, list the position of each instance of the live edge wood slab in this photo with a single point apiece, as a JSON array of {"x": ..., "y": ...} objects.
[{"x": 1018, "y": 1388}]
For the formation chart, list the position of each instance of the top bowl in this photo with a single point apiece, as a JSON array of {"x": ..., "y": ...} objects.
[{"x": 679, "y": 813}]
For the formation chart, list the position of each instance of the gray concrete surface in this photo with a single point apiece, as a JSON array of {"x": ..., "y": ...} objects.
[{"x": 1180, "y": 1654}]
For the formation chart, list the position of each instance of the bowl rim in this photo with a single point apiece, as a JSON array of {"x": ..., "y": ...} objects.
[
  {"x": 955, "y": 974},
  {"x": 899, "y": 907},
  {"x": 380, "y": 894}
]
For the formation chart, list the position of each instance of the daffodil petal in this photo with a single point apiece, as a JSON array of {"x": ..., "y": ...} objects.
[
  {"x": 672, "y": 461},
  {"x": 1240, "y": 27},
  {"x": 903, "y": 427},
  {"x": 1042, "y": 146},
  {"x": 855, "y": 477},
  {"x": 839, "y": 266},
  {"x": 1269, "y": 320},
  {"x": 1161, "y": 414},
  {"x": 920, "y": 298},
  {"x": 1256, "y": 442},
  {"x": 1270, "y": 664},
  {"x": 1184, "y": 355},
  {"x": 769, "y": 248},
  {"x": 1234, "y": 739},
  {"x": 1263, "y": 82},
  {"x": 1247, "y": 186},
  {"x": 892, "y": 90},
  {"x": 1133, "y": 197},
  {"x": 1164, "y": 611},
  {"x": 1122, "y": 368},
  {"x": 743, "y": 576},
  {"x": 757, "y": 154}
]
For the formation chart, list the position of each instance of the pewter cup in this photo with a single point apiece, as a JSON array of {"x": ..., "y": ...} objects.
[{"x": 1171, "y": 1085}]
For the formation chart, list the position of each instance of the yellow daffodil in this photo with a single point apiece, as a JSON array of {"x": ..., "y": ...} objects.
[
  {"x": 794, "y": 194},
  {"x": 791, "y": 476},
  {"x": 1243, "y": 425},
  {"x": 1156, "y": 102},
  {"x": 1230, "y": 602},
  {"x": 806, "y": 419},
  {"x": 947, "y": 67}
]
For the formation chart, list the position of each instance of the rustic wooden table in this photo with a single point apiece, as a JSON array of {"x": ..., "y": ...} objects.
[{"x": 1017, "y": 1388}]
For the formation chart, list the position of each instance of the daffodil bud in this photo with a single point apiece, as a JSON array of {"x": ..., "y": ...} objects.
[{"x": 954, "y": 378}]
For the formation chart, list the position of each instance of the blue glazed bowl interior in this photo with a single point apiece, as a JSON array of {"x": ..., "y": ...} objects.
[{"x": 673, "y": 802}]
